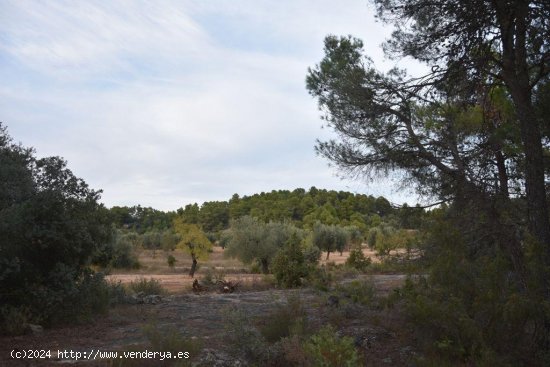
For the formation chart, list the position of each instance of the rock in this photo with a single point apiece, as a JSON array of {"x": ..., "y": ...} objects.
[
  {"x": 34, "y": 329},
  {"x": 215, "y": 358},
  {"x": 152, "y": 299}
]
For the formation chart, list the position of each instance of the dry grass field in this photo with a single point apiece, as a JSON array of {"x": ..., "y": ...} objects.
[{"x": 154, "y": 265}]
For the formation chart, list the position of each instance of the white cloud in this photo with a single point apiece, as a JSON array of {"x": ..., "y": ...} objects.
[{"x": 162, "y": 103}]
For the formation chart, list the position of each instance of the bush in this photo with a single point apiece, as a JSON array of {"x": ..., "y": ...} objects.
[
  {"x": 357, "y": 291},
  {"x": 117, "y": 293},
  {"x": 327, "y": 349},
  {"x": 212, "y": 277},
  {"x": 287, "y": 320},
  {"x": 244, "y": 339},
  {"x": 289, "y": 265},
  {"x": 358, "y": 260},
  {"x": 52, "y": 226},
  {"x": 123, "y": 255},
  {"x": 147, "y": 286},
  {"x": 171, "y": 260},
  {"x": 320, "y": 279},
  {"x": 312, "y": 254}
]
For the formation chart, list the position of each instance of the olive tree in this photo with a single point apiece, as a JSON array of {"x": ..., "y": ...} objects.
[{"x": 252, "y": 240}]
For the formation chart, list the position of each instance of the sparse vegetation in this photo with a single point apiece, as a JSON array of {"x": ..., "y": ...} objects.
[
  {"x": 146, "y": 286},
  {"x": 327, "y": 349}
]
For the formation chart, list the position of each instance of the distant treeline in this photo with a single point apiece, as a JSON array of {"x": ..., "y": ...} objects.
[{"x": 300, "y": 207}]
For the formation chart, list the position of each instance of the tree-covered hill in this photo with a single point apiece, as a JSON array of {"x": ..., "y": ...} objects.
[{"x": 301, "y": 207}]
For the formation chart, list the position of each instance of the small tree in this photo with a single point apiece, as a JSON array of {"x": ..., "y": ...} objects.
[
  {"x": 357, "y": 259},
  {"x": 193, "y": 241},
  {"x": 171, "y": 260},
  {"x": 251, "y": 240},
  {"x": 329, "y": 238},
  {"x": 289, "y": 266}
]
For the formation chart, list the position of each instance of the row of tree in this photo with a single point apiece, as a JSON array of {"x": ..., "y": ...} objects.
[{"x": 302, "y": 208}]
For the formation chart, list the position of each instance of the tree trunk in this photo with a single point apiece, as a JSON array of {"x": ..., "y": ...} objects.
[
  {"x": 515, "y": 73},
  {"x": 328, "y": 254},
  {"x": 265, "y": 266},
  {"x": 194, "y": 266}
]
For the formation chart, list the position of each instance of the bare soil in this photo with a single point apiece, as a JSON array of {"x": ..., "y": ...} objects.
[{"x": 379, "y": 334}]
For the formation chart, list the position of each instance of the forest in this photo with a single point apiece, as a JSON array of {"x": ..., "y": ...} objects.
[{"x": 472, "y": 137}]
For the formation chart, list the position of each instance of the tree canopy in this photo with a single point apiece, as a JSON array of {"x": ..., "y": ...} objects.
[
  {"x": 470, "y": 133},
  {"x": 52, "y": 227},
  {"x": 193, "y": 240}
]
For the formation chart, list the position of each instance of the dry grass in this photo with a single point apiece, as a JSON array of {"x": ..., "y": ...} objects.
[{"x": 176, "y": 279}]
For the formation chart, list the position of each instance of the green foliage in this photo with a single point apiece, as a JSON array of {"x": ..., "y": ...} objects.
[
  {"x": 193, "y": 240},
  {"x": 300, "y": 207},
  {"x": 330, "y": 238},
  {"x": 51, "y": 229},
  {"x": 171, "y": 260},
  {"x": 312, "y": 254},
  {"x": 287, "y": 320},
  {"x": 140, "y": 219},
  {"x": 252, "y": 240},
  {"x": 243, "y": 338},
  {"x": 146, "y": 286},
  {"x": 327, "y": 349},
  {"x": 289, "y": 266},
  {"x": 474, "y": 308},
  {"x": 321, "y": 278},
  {"x": 357, "y": 291},
  {"x": 357, "y": 259},
  {"x": 123, "y": 252}
]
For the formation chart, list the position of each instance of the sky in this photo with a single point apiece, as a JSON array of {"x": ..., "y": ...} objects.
[{"x": 166, "y": 103}]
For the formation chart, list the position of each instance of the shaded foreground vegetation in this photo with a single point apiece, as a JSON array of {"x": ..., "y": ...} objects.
[{"x": 472, "y": 134}]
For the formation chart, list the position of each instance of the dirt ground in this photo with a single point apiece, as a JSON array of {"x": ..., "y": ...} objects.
[{"x": 379, "y": 334}]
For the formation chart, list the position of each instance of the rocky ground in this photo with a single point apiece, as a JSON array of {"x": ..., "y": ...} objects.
[{"x": 203, "y": 319}]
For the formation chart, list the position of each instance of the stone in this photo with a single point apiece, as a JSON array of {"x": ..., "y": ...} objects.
[{"x": 34, "y": 329}]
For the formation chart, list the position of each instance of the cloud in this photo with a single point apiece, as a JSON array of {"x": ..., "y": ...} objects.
[{"x": 165, "y": 103}]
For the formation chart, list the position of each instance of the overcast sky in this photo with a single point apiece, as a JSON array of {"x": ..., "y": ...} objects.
[{"x": 165, "y": 103}]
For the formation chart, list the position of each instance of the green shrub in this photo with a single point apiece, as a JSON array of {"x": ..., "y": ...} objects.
[
  {"x": 358, "y": 260},
  {"x": 289, "y": 266},
  {"x": 212, "y": 277},
  {"x": 171, "y": 260},
  {"x": 243, "y": 338},
  {"x": 357, "y": 291},
  {"x": 123, "y": 254},
  {"x": 312, "y": 254},
  {"x": 320, "y": 279},
  {"x": 52, "y": 227},
  {"x": 147, "y": 286},
  {"x": 327, "y": 349},
  {"x": 287, "y": 320},
  {"x": 117, "y": 293}
]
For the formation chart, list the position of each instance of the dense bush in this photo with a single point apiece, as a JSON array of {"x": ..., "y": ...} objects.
[
  {"x": 327, "y": 349},
  {"x": 51, "y": 229},
  {"x": 146, "y": 286},
  {"x": 123, "y": 252},
  {"x": 289, "y": 266},
  {"x": 288, "y": 319},
  {"x": 357, "y": 259},
  {"x": 473, "y": 306}
]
